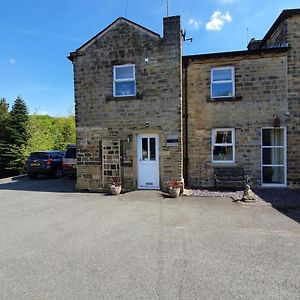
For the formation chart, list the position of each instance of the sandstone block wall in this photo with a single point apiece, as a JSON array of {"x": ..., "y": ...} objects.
[
  {"x": 261, "y": 93},
  {"x": 104, "y": 121},
  {"x": 293, "y": 94}
]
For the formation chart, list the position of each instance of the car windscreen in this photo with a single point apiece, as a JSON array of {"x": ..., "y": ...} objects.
[
  {"x": 71, "y": 153},
  {"x": 39, "y": 155}
]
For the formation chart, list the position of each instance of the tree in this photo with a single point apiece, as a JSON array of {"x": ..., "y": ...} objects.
[
  {"x": 39, "y": 133},
  {"x": 17, "y": 124},
  {"x": 63, "y": 132},
  {"x": 21, "y": 134},
  {"x": 46, "y": 133},
  {"x": 4, "y": 136},
  {"x": 3, "y": 108}
]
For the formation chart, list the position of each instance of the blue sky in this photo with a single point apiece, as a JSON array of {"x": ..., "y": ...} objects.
[{"x": 38, "y": 35}]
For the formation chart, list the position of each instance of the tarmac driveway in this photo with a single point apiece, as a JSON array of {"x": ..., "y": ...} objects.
[{"x": 141, "y": 245}]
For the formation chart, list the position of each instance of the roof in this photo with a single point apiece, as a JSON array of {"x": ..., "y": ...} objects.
[
  {"x": 283, "y": 16},
  {"x": 234, "y": 53},
  {"x": 109, "y": 27}
]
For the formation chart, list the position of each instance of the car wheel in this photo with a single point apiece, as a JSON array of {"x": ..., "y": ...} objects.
[
  {"x": 57, "y": 173},
  {"x": 32, "y": 176}
]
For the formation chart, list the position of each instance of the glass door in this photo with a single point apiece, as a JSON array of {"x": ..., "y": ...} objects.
[
  {"x": 273, "y": 156},
  {"x": 148, "y": 161}
]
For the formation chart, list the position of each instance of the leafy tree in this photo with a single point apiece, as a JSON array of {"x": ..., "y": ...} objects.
[
  {"x": 46, "y": 133},
  {"x": 63, "y": 132},
  {"x": 38, "y": 131}
]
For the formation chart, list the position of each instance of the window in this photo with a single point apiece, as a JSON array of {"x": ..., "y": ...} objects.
[
  {"x": 273, "y": 156},
  {"x": 148, "y": 149},
  {"x": 222, "y": 82},
  {"x": 223, "y": 145},
  {"x": 124, "y": 81}
]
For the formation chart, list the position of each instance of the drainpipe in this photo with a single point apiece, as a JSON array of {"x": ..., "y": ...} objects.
[{"x": 185, "y": 148}]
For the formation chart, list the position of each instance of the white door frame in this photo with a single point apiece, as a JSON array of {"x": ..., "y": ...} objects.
[
  {"x": 155, "y": 164},
  {"x": 285, "y": 160}
]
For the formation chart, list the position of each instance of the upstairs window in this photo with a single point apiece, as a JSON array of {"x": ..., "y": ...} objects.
[
  {"x": 222, "y": 82},
  {"x": 124, "y": 81},
  {"x": 223, "y": 145}
]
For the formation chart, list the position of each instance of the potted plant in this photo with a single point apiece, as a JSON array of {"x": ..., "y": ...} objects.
[
  {"x": 115, "y": 187},
  {"x": 174, "y": 188}
]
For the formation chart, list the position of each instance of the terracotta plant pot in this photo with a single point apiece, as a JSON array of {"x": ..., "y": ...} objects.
[
  {"x": 115, "y": 190},
  {"x": 174, "y": 192}
]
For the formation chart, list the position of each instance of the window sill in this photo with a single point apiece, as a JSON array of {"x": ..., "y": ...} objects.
[
  {"x": 138, "y": 96},
  {"x": 222, "y": 164},
  {"x": 225, "y": 99}
]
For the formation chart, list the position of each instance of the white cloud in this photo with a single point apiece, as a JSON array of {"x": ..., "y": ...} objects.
[
  {"x": 194, "y": 24},
  {"x": 43, "y": 112},
  {"x": 217, "y": 20},
  {"x": 12, "y": 61}
]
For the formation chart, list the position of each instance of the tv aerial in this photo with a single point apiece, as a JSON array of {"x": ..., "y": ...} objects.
[{"x": 184, "y": 38}]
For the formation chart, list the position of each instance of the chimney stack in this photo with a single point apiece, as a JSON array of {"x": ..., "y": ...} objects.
[{"x": 172, "y": 34}]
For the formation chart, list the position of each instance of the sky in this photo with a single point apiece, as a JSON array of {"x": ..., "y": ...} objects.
[{"x": 38, "y": 35}]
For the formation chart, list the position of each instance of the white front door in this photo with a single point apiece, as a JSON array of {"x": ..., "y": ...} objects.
[{"x": 148, "y": 161}]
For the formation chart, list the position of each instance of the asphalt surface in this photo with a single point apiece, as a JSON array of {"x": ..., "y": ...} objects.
[
  {"x": 57, "y": 244},
  {"x": 41, "y": 184}
]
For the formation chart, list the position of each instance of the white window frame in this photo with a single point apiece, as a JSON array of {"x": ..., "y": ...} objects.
[
  {"x": 213, "y": 144},
  {"x": 222, "y": 81},
  {"x": 273, "y": 165},
  {"x": 123, "y": 80}
]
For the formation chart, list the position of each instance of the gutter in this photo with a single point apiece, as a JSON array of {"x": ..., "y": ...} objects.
[
  {"x": 235, "y": 53},
  {"x": 185, "y": 148}
]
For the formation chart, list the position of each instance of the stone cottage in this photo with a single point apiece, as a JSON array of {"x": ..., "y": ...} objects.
[
  {"x": 148, "y": 114},
  {"x": 128, "y": 106}
]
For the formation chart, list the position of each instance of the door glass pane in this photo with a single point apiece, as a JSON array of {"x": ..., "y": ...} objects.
[
  {"x": 144, "y": 149},
  {"x": 223, "y": 153},
  {"x": 222, "y": 137},
  {"x": 273, "y": 156},
  {"x": 152, "y": 149},
  {"x": 273, "y": 137},
  {"x": 273, "y": 175}
]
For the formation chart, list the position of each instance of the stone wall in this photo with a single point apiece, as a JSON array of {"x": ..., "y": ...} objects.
[
  {"x": 156, "y": 108},
  {"x": 261, "y": 93},
  {"x": 293, "y": 129}
]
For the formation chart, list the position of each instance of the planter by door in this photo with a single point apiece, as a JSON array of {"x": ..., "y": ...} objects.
[{"x": 148, "y": 161}]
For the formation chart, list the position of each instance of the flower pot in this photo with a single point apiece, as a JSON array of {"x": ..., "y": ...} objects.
[
  {"x": 174, "y": 192},
  {"x": 115, "y": 190}
]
